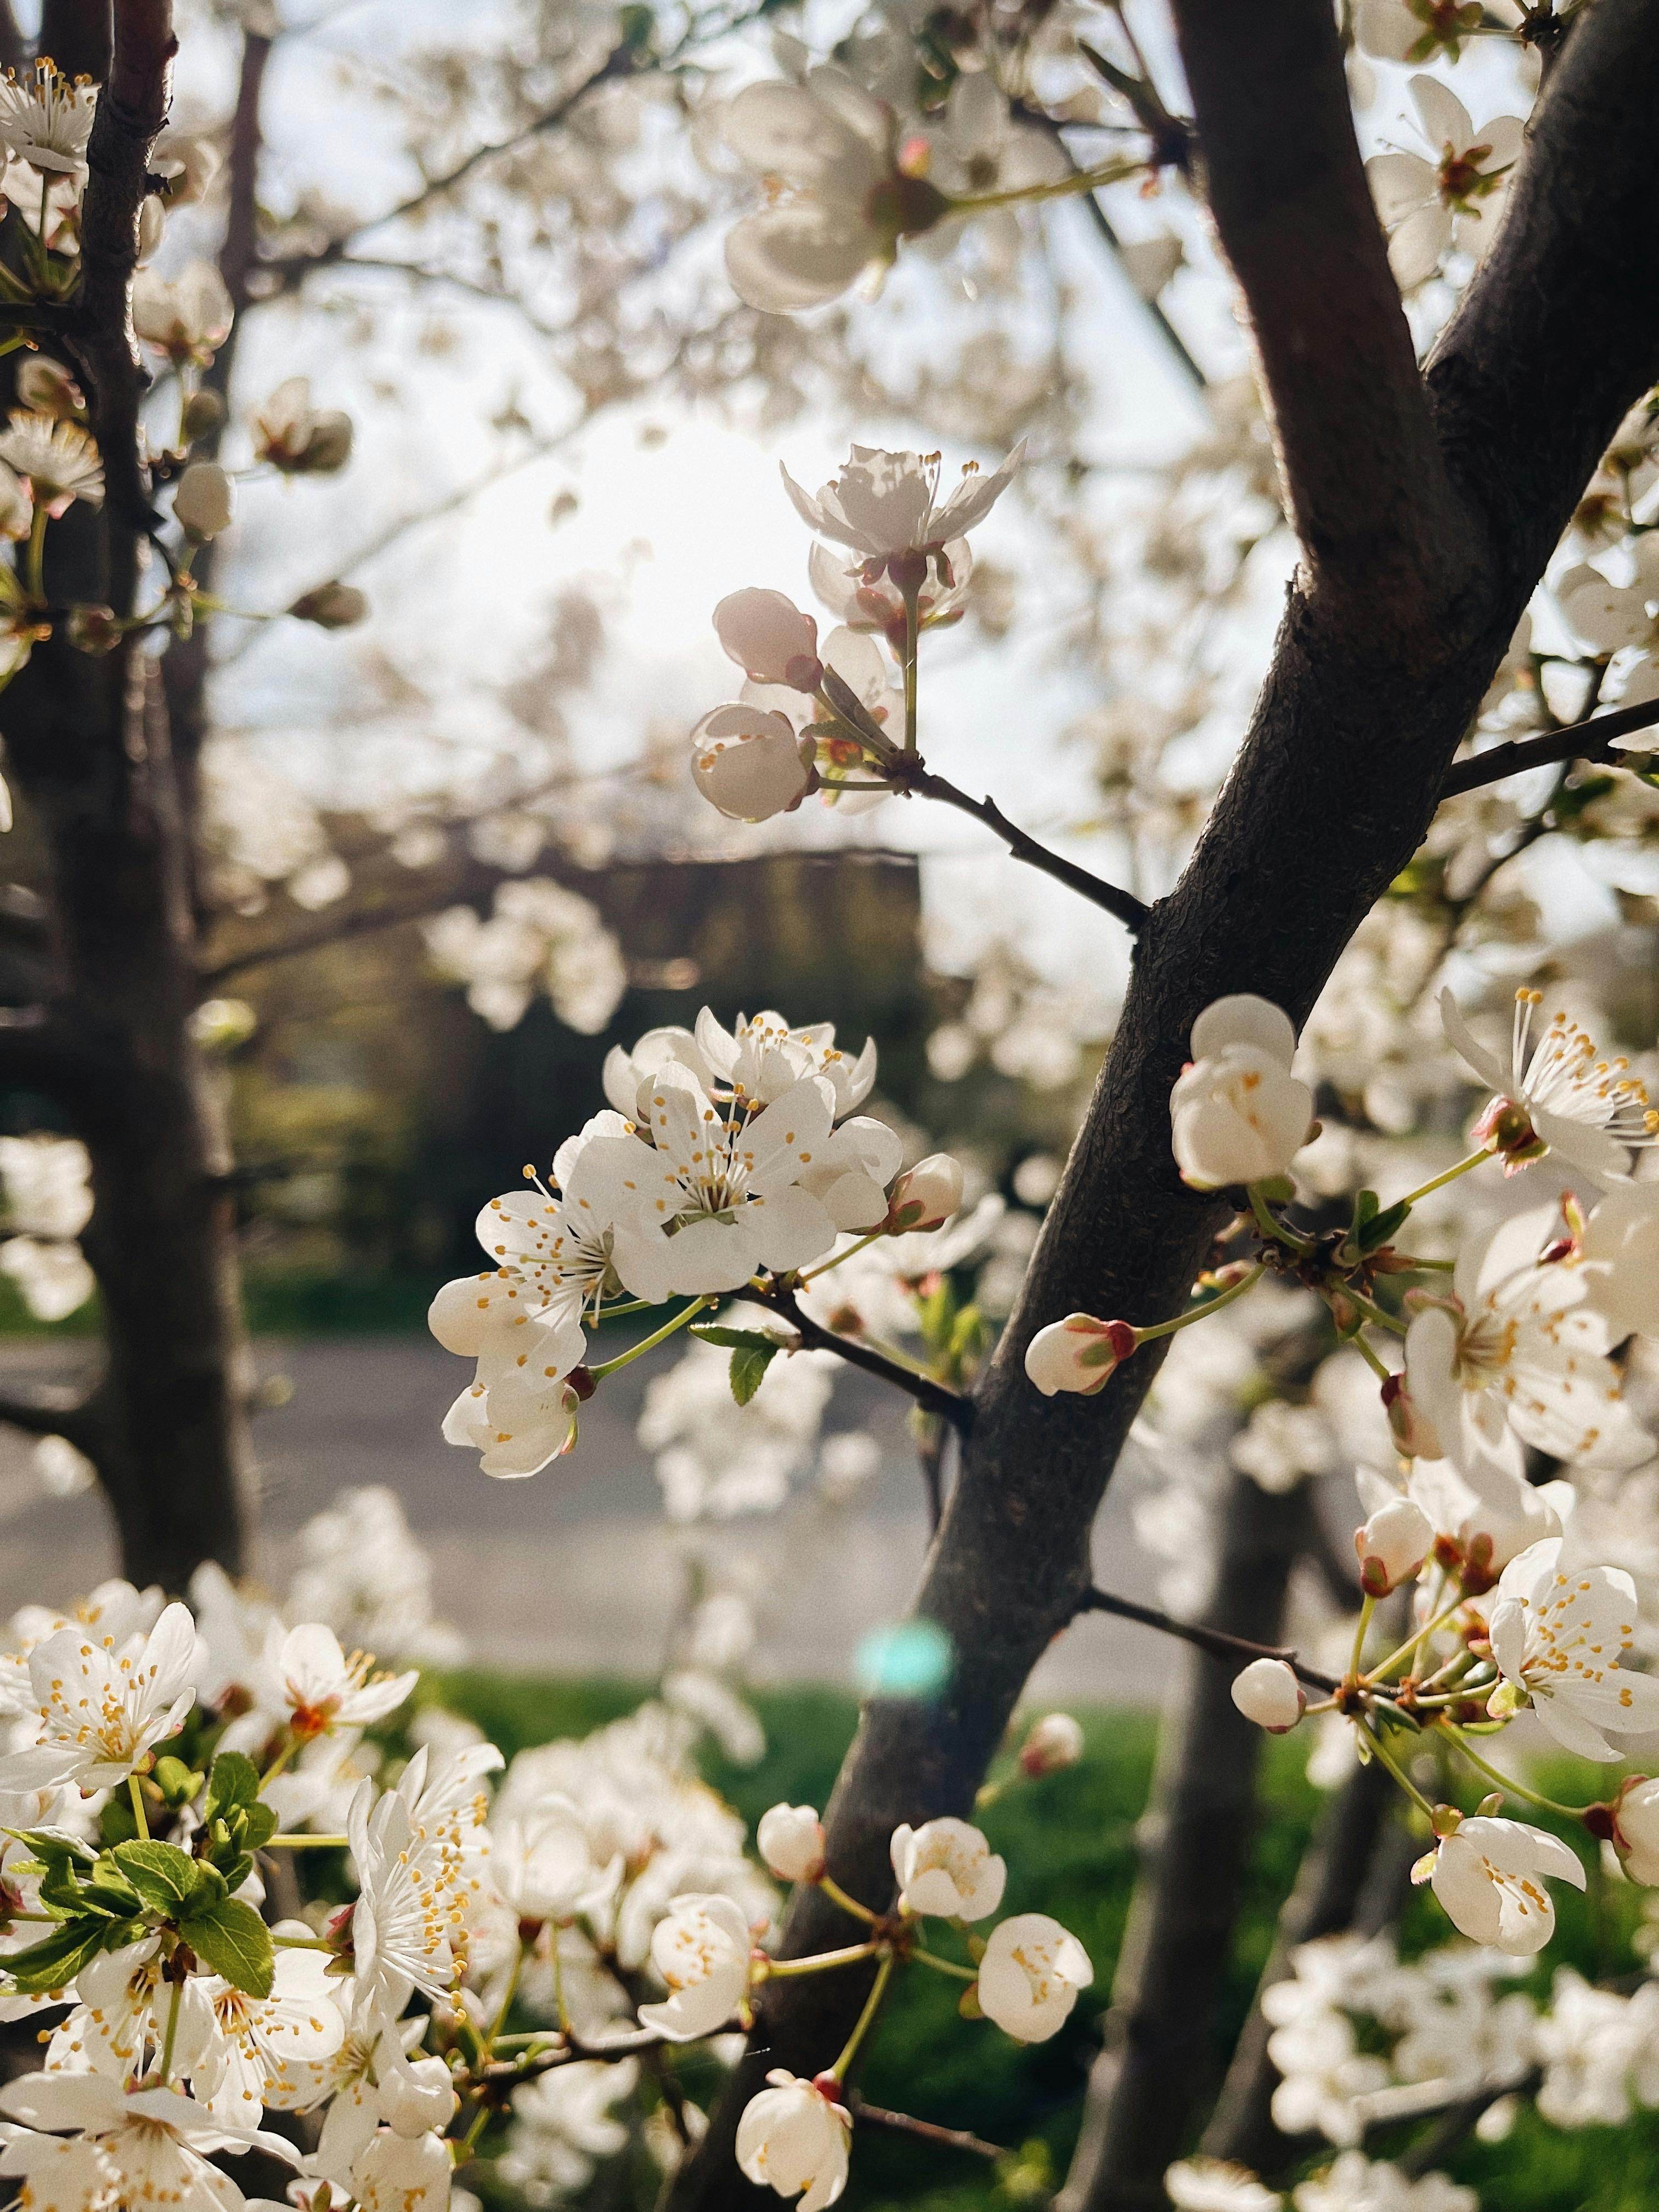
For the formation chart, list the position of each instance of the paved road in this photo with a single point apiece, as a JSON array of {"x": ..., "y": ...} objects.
[{"x": 574, "y": 1570}]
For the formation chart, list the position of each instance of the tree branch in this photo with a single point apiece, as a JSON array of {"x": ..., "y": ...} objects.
[
  {"x": 132, "y": 109},
  {"x": 1366, "y": 483},
  {"x": 933, "y": 1397},
  {"x": 1586, "y": 741},
  {"x": 904, "y": 2123},
  {"x": 54, "y": 1410},
  {"x": 1123, "y": 905},
  {"x": 1215, "y": 1641}
]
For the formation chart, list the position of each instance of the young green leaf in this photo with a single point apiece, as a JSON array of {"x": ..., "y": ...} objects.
[
  {"x": 748, "y": 1366},
  {"x": 234, "y": 1941},
  {"x": 735, "y": 1340},
  {"x": 163, "y": 1875},
  {"x": 232, "y": 1780},
  {"x": 56, "y": 1960}
]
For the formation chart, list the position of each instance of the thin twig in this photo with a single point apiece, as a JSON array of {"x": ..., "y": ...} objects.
[
  {"x": 1215, "y": 1641},
  {"x": 905, "y": 2124},
  {"x": 1585, "y": 740},
  {"x": 1124, "y": 905},
  {"x": 1458, "y": 2123},
  {"x": 933, "y": 1397}
]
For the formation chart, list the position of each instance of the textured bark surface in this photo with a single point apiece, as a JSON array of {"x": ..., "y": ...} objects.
[
  {"x": 1430, "y": 507},
  {"x": 1157, "y": 2065},
  {"x": 88, "y": 743}
]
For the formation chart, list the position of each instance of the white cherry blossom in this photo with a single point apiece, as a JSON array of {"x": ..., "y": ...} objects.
[
  {"x": 1236, "y": 1113},
  {"x": 1078, "y": 1354},
  {"x": 1392, "y": 1545},
  {"x": 138, "y": 2147},
  {"x": 1516, "y": 1355},
  {"x": 946, "y": 1868},
  {"x": 1453, "y": 198},
  {"x": 1559, "y": 1637},
  {"x": 793, "y": 2139},
  {"x": 1555, "y": 1094},
  {"x": 762, "y": 1056},
  {"x": 186, "y": 317},
  {"x": 260, "y": 2051},
  {"x": 395, "y": 2172},
  {"x": 101, "y": 1705},
  {"x": 307, "y": 1680},
  {"x": 701, "y": 1948},
  {"x": 884, "y": 505},
  {"x": 1268, "y": 1693},
  {"x": 1489, "y": 1876},
  {"x": 865, "y": 602},
  {"x": 771, "y": 639},
  {"x": 1031, "y": 1975},
  {"x": 1620, "y": 1255},
  {"x": 58, "y": 462},
  {"x": 790, "y": 1839},
  {"x": 749, "y": 763}
]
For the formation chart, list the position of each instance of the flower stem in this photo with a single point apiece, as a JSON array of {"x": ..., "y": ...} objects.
[
  {"x": 135, "y": 1791},
  {"x": 1084, "y": 180},
  {"x": 1368, "y": 1606},
  {"x": 650, "y": 1343},
  {"x": 1506, "y": 1781},
  {"x": 1375, "y": 1312},
  {"x": 862, "y": 2025},
  {"x": 837, "y": 1895},
  {"x": 170, "y": 2037},
  {"x": 1275, "y": 1230},
  {"x": 1209, "y": 1306},
  {"x": 945, "y": 1966},
  {"x": 875, "y": 1235},
  {"x": 1378, "y": 1367},
  {"x": 821, "y": 1962},
  {"x": 912, "y": 599},
  {"x": 1384, "y": 1666},
  {"x": 280, "y": 1761},
  {"x": 1438, "y": 1182},
  {"x": 37, "y": 553},
  {"x": 305, "y": 1843},
  {"x": 1374, "y": 1738}
]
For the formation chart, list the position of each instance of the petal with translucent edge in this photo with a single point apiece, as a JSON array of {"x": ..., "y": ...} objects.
[
  {"x": 1492, "y": 1071},
  {"x": 797, "y": 255},
  {"x": 1244, "y": 1018},
  {"x": 1444, "y": 118},
  {"x": 1419, "y": 245},
  {"x": 808, "y": 140},
  {"x": 1400, "y": 184},
  {"x": 749, "y": 766}
]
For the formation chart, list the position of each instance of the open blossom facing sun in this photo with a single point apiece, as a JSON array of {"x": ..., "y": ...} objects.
[
  {"x": 1489, "y": 1876},
  {"x": 1236, "y": 1113},
  {"x": 827, "y": 152},
  {"x": 886, "y": 505},
  {"x": 1515, "y": 1355},
  {"x": 102, "y": 1705},
  {"x": 1558, "y": 1639},
  {"x": 1555, "y": 1094},
  {"x": 85, "y": 2142}
]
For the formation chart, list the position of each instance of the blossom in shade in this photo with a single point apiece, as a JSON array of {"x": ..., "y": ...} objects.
[
  {"x": 1268, "y": 1693},
  {"x": 1635, "y": 1829},
  {"x": 1078, "y": 1354},
  {"x": 1392, "y": 1545},
  {"x": 1555, "y": 1093},
  {"x": 702, "y": 1948},
  {"x": 57, "y": 460},
  {"x": 1619, "y": 1254},
  {"x": 838, "y": 202},
  {"x": 884, "y": 506},
  {"x": 1051, "y": 1743},
  {"x": 1030, "y": 1976},
  {"x": 791, "y": 1841},
  {"x": 946, "y": 1868},
  {"x": 259, "y": 2049},
  {"x": 771, "y": 639},
  {"x": 1216, "y": 2185},
  {"x": 749, "y": 763},
  {"x": 1453, "y": 198},
  {"x": 1416, "y": 30},
  {"x": 864, "y": 602},
  {"x": 102, "y": 1705},
  {"x": 1236, "y": 1113},
  {"x": 1489, "y": 1876},
  {"x": 794, "y": 2138},
  {"x": 45, "y": 121},
  {"x": 186, "y": 317},
  {"x": 1557, "y": 1639},
  {"x": 205, "y": 501},
  {"x": 1517, "y": 1355},
  {"x": 297, "y": 438}
]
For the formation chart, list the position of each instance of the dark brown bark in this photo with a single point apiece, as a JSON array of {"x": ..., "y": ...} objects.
[
  {"x": 1416, "y": 572},
  {"x": 1158, "y": 2064},
  {"x": 88, "y": 744}
]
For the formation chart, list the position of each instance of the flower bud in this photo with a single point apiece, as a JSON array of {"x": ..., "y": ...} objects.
[
  {"x": 1053, "y": 1742},
  {"x": 330, "y": 607},
  {"x": 46, "y": 388},
  {"x": 771, "y": 639},
  {"x": 1268, "y": 1693},
  {"x": 749, "y": 765},
  {"x": 204, "y": 501},
  {"x": 790, "y": 1839},
  {"x": 1392, "y": 1546},
  {"x": 93, "y": 629},
  {"x": 926, "y": 1194},
  {"x": 204, "y": 411},
  {"x": 1412, "y": 1429},
  {"x": 1635, "y": 1829},
  {"x": 1078, "y": 1353}
]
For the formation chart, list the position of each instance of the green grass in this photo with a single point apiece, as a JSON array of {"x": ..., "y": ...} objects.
[{"x": 1069, "y": 1842}]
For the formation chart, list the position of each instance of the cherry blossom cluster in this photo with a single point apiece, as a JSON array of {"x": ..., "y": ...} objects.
[
  {"x": 728, "y": 1161},
  {"x": 167, "y": 1765}
]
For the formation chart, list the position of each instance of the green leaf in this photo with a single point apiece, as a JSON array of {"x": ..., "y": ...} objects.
[
  {"x": 234, "y": 1941},
  {"x": 748, "y": 1369},
  {"x": 177, "y": 1783},
  {"x": 258, "y": 1827},
  {"x": 1382, "y": 1226},
  {"x": 233, "y": 1781},
  {"x": 50, "y": 1963},
  {"x": 209, "y": 1886},
  {"x": 163, "y": 1875},
  {"x": 735, "y": 1340},
  {"x": 117, "y": 1823},
  {"x": 48, "y": 1844}
]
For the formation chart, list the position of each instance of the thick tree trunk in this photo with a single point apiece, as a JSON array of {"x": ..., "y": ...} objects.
[
  {"x": 1427, "y": 508},
  {"x": 1158, "y": 2063}
]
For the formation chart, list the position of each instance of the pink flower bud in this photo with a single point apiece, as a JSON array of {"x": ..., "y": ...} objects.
[
  {"x": 926, "y": 1194},
  {"x": 1268, "y": 1693},
  {"x": 771, "y": 639},
  {"x": 790, "y": 1839},
  {"x": 1078, "y": 1353},
  {"x": 1053, "y": 1742},
  {"x": 1392, "y": 1546},
  {"x": 1413, "y": 1431}
]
